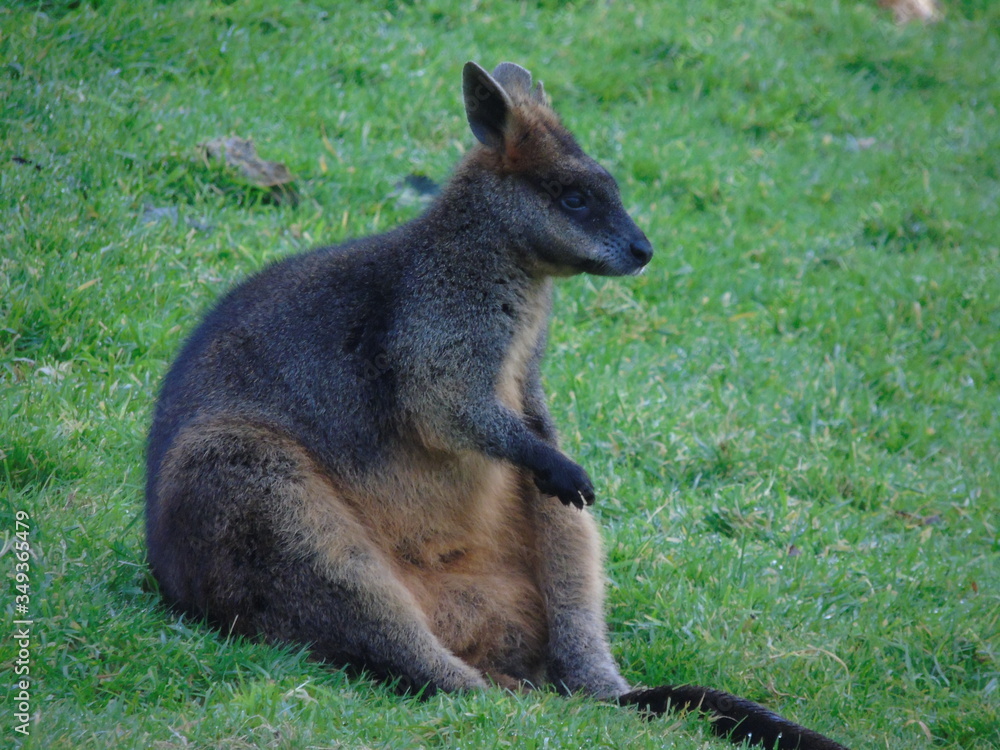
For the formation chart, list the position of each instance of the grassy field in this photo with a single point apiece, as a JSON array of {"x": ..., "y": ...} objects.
[{"x": 793, "y": 419}]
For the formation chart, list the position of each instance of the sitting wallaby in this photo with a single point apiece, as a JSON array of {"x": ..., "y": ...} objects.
[{"x": 353, "y": 450}]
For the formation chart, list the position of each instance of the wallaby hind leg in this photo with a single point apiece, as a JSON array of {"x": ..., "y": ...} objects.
[
  {"x": 250, "y": 533},
  {"x": 572, "y": 583}
]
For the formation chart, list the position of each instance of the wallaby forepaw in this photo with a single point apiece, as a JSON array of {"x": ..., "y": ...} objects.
[{"x": 567, "y": 481}]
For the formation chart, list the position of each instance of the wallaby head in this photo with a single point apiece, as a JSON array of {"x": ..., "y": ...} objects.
[{"x": 563, "y": 207}]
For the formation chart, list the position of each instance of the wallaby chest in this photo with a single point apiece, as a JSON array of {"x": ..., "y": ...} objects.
[{"x": 523, "y": 350}]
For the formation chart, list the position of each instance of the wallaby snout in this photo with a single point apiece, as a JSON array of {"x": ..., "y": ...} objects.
[
  {"x": 641, "y": 251},
  {"x": 627, "y": 254}
]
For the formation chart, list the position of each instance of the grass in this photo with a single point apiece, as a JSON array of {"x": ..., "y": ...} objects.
[{"x": 792, "y": 418}]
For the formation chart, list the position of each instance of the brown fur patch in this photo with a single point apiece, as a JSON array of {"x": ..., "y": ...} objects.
[
  {"x": 535, "y": 138},
  {"x": 456, "y": 537},
  {"x": 514, "y": 373}
]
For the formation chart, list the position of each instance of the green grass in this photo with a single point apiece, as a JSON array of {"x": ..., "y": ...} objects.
[{"x": 793, "y": 419}]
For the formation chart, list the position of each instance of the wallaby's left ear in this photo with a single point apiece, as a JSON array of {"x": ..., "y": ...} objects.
[{"x": 487, "y": 105}]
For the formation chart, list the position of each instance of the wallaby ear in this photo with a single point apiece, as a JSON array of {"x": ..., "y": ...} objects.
[
  {"x": 539, "y": 93},
  {"x": 487, "y": 105},
  {"x": 514, "y": 78}
]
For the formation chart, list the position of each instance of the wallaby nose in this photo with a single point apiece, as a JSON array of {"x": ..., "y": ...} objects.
[{"x": 641, "y": 250}]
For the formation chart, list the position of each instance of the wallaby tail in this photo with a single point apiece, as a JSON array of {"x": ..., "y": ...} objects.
[{"x": 734, "y": 718}]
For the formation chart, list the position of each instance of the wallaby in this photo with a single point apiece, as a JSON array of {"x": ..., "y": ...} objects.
[{"x": 353, "y": 451}]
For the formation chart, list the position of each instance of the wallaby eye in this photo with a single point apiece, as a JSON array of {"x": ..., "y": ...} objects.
[{"x": 573, "y": 200}]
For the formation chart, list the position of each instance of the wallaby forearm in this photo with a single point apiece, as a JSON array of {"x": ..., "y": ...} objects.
[
  {"x": 536, "y": 413},
  {"x": 500, "y": 433}
]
